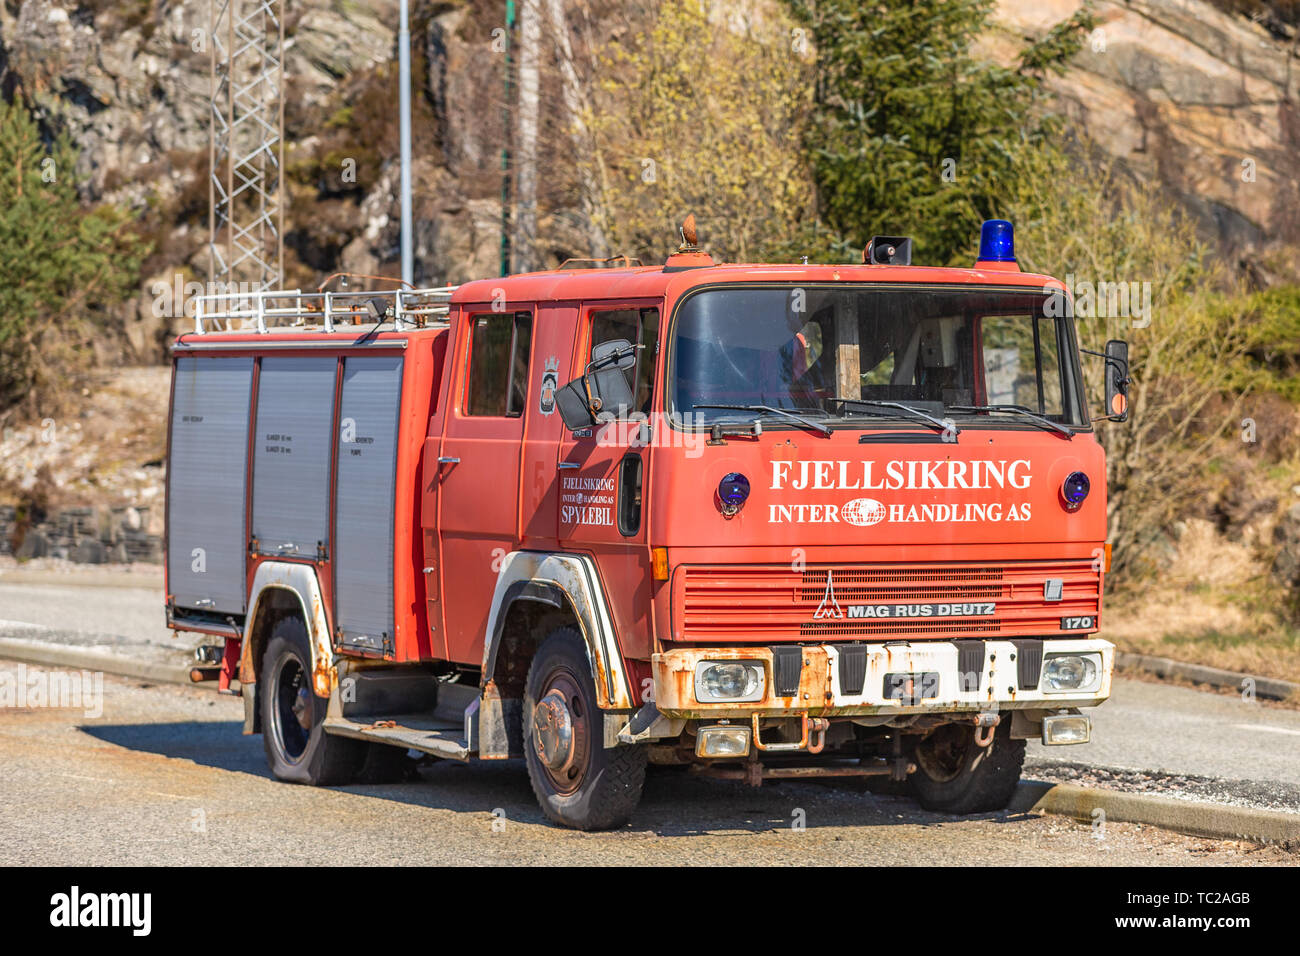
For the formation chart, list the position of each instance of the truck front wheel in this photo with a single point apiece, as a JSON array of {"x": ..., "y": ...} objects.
[
  {"x": 956, "y": 775},
  {"x": 297, "y": 748},
  {"x": 578, "y": 782}
]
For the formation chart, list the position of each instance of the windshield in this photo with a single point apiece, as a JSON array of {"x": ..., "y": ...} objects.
[{"x": 834, "y": 352}]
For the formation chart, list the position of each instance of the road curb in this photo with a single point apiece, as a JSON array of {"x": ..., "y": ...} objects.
[
  {"x": 1268, "y": 687},
  {"x": 1184, "y": 816},
  {"x": 79, "y": 658}
]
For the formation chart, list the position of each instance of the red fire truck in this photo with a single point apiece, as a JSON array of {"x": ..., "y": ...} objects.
[{"x": 768, "y": 521}]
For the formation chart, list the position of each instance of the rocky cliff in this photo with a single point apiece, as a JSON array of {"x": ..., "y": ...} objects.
[{"x": 1200, "y": 100}]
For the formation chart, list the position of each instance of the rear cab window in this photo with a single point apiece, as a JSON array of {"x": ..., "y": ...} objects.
[{"x": 499, "y": 347}]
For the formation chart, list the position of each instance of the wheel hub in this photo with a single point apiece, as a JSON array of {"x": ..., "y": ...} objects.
[
  {"x": 302, "y": 708},
  {"x": 561, "y": 736},
  {"x": 292, "y": 707},
  {"x": 553, "y": 724}
]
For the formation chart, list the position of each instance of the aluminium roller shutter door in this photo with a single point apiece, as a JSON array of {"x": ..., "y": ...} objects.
[
  {"x": 292, "y": 452},
  {"x": 206, "y": 483},
  {"x": 363, "y": 516}
]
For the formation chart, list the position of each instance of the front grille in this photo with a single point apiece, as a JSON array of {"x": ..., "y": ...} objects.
[
  {"x": 880, "y": 585},
  {"x": 778, "y": 604}
]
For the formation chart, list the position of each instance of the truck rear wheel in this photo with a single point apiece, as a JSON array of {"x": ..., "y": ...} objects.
[
  {"x": 955, "y": 775},
  {"x": 578, "y": 782},
  {"x": 297, "y": 748}
]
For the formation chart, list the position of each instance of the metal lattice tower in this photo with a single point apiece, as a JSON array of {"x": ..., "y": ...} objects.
[{"x": 246, "y": 144}]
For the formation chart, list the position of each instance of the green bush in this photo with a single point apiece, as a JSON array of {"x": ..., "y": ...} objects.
[
  {"x": 912, "y": 133},
  {"x": 61, "y": 262}
]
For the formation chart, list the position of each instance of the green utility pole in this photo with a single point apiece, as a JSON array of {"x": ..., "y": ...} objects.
[{"x": 508, "y": 114}]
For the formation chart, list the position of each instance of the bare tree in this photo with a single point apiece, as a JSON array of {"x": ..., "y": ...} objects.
[
  {"x": 530, "y": 42},
  {"x": 593, "y": 178}
]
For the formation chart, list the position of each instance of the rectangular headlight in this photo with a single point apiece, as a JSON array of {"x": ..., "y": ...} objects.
[
  {"x": 722, "y": 740},
  {"x": 1071, "y": 673},
  {"x": 733, "y": 682},
  {"x": 1064, "y": 729}
]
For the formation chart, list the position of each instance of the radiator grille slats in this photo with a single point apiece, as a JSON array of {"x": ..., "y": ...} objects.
[{"x": 774, "y": 604}]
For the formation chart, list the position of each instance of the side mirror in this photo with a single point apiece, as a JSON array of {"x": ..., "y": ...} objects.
[
  {"x": 602, "y": 392},
  {"x": 1117, "y": 380}
]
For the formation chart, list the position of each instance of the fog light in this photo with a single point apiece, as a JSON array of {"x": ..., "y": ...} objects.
[
  {"x": 1066, "y": 729},
  {"x": 722, "y": 740},
  {"x": 729, "y": 681},
  {"x": 1066, "y": 673}
]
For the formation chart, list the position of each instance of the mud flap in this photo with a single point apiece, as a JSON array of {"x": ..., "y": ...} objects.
[
  {"x": 251, "y": 721},
  {"x": 500, "y": 731}
]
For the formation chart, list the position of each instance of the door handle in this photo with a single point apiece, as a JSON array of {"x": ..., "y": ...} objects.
[
  {"x": 449, "y": 461},
  {"x": 569, "y": 464}
]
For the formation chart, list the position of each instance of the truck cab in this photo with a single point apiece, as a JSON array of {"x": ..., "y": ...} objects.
[{"x": 767, "y": 521}]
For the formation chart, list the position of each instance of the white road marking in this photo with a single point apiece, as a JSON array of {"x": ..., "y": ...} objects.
[
  {"x": 1272, "y": 730},
  {"x": 24, "y": 625},
  {"x": 156, "y": 793}
]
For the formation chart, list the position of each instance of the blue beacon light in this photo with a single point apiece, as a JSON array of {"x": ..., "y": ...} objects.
[
  {"x": 733, "y": 490},
  {"x": 997, "y": 241},
  {"x": 1074, "y": 489}
]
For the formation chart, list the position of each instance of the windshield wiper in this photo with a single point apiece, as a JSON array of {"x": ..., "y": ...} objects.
[
  {"x": 807, "y": 423},
  {"x": 1015, "y": 410},
  {"x": 925, "y": 416}
]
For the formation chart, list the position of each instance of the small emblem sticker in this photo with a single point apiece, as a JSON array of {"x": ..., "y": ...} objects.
[
  {"x": 550, "y": 382},
  {"x": 863, "y": 512},
  {"x": 829, "y": 606}
]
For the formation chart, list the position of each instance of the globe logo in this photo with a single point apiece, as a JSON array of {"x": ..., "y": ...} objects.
[{"x": 863, "y": 512}]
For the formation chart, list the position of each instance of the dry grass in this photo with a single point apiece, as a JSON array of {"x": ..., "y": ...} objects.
[
  {"x": 1213, "y": 604},
  {"x": 107, "y": 450}
]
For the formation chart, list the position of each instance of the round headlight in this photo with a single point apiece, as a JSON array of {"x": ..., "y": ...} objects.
[
  {"x": 733, "y": 490},
  {"x": 1074, "y": 489}
]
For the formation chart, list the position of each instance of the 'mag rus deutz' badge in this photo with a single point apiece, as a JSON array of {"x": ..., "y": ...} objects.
[{"x": 977, "y": 609}]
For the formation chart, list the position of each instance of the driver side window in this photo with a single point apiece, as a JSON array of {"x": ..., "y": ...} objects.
[{"x": 638, "y": 326}]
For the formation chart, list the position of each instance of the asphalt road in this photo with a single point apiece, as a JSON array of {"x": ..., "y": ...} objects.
[
  {"x": 109, "y": 611},
  {"x": 1184, "y": 743},
  {"x": 163, "y": 776},
  {"x": 133, "y": 783}
]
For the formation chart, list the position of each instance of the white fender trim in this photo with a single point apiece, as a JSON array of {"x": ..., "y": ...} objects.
[
  {"x": 574, "y": 575},
  {"x": 301, "y": 581}
]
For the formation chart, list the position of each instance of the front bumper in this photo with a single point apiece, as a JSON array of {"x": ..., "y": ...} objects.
[{"x": 820, "y": 692}]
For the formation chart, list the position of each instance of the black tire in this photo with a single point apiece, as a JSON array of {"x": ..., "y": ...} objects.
[
  {"x": 293, "y": 734},
  {"x": 591, "y": 787},
  {"x": 953, "y": 775}
]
